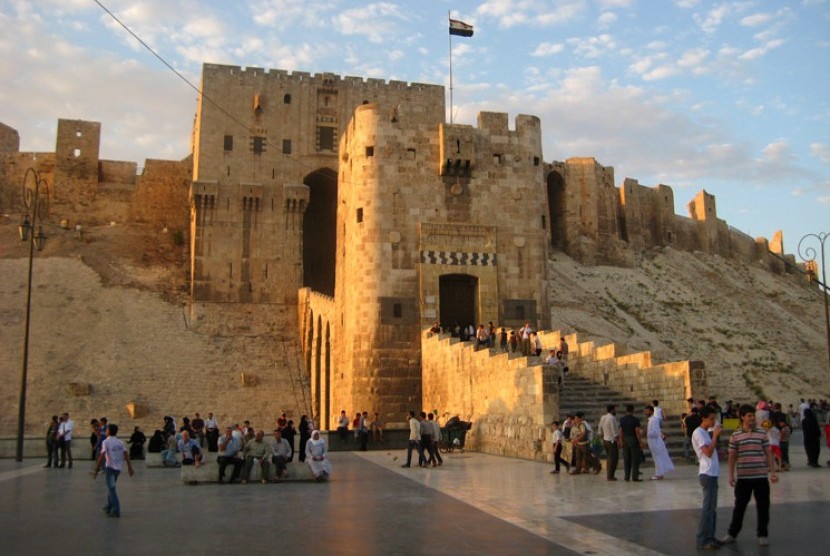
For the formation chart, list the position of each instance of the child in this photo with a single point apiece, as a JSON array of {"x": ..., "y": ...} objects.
[
  {"x": 786, "y": 432},
  {"x": 774, "y": 435}
]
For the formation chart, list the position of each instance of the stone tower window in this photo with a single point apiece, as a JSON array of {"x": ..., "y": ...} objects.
[
  {"x": 397, "y": 310},
  {"x": 76, "y": 153},
  {"x": 286, "y": 99},
  {"x": 326, "y": 138},
  {"x": 286, "y": 146},
  {"x": 78, "y": 133},
  {"x": 360, "y": 215},
  {"x": 370, "y": 150},
  {"x": 536, "y": 161},
  {"x": 228, "y": 142},
  {"x": 259, "y": 145}
]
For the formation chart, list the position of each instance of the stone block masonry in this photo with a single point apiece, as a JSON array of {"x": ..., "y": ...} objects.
[{"x": 512, "y": 400}]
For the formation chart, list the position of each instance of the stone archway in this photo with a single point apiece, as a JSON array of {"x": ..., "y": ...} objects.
[
  {"x": 556, "y": 209},
  {"x": 458, "y": 300},
  {"x": 320, "y": 231}
]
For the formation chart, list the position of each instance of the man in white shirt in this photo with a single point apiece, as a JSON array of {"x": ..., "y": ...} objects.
[
  {"x": 414, "y": 440},
  {"x": 707, "y": 453},
  {"x": 524, "y": 336},
  {"x": 65, "y": 440},
  {"x": 280, "y": 455},
  {"x": 212, "y": 433},
  {"x": 113, "y": 455},
  {"x": 609, "y": 428}
]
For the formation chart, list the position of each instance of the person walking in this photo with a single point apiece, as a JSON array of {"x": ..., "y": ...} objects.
[
  {"x": 657, "y": 445},
  {"x": 812, "y": 437},
  {"x": 52, "y": 442},
  {"x": 750, "y": 456},
  {"x": 706, "y": 449},
  {"x": 414, "y": 440},
  {"x": 113, "y": 455},
  {"x": 558, "y": 442}
]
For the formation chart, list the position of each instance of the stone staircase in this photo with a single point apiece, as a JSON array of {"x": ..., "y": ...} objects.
[{"x": 582, "y": 394}]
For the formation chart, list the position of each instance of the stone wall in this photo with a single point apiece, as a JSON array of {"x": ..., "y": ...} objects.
[
  {"x": 9, "y": 139},
  {"x": 13, "y": 167},
  {"x": 316, "y": 313},
  {"x": 161, "y": 194},
  {"x": 509, "y": 403}
]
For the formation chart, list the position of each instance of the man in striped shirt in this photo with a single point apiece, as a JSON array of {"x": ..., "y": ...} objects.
[{"x": 750, "y": 455}]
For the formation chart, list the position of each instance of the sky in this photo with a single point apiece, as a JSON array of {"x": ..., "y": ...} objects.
[{"x": 728, "y": 96}]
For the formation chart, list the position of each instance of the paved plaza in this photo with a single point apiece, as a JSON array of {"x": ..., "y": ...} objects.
[{"x": 473, "y": 504}]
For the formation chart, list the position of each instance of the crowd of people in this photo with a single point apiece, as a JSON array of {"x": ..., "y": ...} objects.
[
  {"x": 241, "y": 446},
  {"x": 757, "y": 450},
  {"x": 525, "y": 340}
]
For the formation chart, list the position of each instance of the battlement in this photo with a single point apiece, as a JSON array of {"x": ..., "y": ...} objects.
[{"x": 319, "y": 79}]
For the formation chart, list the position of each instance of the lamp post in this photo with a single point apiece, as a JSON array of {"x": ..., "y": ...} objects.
[
  {"x": 808, "y": 254},
  {"x": 30, "y": 230}
]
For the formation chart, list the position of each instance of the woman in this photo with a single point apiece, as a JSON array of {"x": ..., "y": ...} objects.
[
  {"x": 315, "y": 457},
  {"x": 812, "y": 437},
  {"x": 136, "y": 443},
  {"x": 305, "y": 434}
]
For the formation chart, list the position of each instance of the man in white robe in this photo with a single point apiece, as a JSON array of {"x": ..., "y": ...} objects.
[
  {"x": 656, "y": 445},
  {"x": 316, "y": 457}
]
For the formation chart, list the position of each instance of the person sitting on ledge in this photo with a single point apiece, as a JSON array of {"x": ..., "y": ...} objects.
[
  {"x": 229, "y": 447},
  {"x": 190, "y": 450},
  {"x": 168, "y": 455},
  {"x": 280, "y": 455},
  {"x": 257, "y": 451},
  {"x": 315, "y": 457}
]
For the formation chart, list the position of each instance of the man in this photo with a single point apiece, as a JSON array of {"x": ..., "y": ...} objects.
[
  {"x": 377, "y": 428},
  {"x": 52, "y": 442},
  {"x": 555, "y": 360},
  {"x": 257, "y": 451},
  {"x": 343, "y": 426},
  {"x": 690, "y": 424},
  {"x": 579, "y": 441},
  {"x": 657, "y": 444},
  {"x": 363, "y": 435},
  {"x": 414, "y": 440},
  {"x": 750, "y": 456},
  {"x": 706, "y": 449},
  {"x": 281, "y": 453},
  {"x": 212, "y": 433},
  {"x": 558, "y": 441},
  {"x": 102, "y": 435},
  {"x": 65, "y": 429},
  {"x": 482, "y": 337},
  {"x": 426, "y": 442},
  {"x": 113, "y": 454},
  {"x": 198, "y": 426},
  {"x": 563, "y": 347},
  {"x": 189, "y": 448},
  {"x": 609, "y": 428},
  {"x": 524, "y": 335},
  {"x": 229, "y": 446},
  {"x": 632, "y": 444},
  {"x": 657, "y": 410}
]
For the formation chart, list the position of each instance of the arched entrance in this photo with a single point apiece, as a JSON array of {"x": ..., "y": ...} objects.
[
  {"x": 457, "y": 299},
  {"x": 556, "y": 209},
  {"x": 320, "y": 231}
]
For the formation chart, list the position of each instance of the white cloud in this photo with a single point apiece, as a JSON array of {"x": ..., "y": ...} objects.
[
  {"x": 548, "y": 49},
  {"x": 778, "y": 151},
  {"x": 510, "y": 13},
  {"x": 377, "y": 22},
  {"x": 686, "y": 3},
  {"x": 756, "y": 19},
  {"x": 821, "y": 151},
  {"x": 606, "y": 19},
  {"x": 592, "y": 47},
  {"x": 754, "y": 53}
]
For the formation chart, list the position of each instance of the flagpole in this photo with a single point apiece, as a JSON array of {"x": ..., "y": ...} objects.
[{"x": 448, "y": 17}]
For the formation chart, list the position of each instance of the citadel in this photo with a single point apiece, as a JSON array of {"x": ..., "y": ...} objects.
[{"x": 344, "y": 216}]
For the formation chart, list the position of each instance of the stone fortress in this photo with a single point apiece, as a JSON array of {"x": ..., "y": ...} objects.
[{"x": 344, "y": 216}]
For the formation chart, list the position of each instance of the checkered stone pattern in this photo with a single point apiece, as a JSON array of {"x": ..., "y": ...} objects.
[{"x": 458, "y": 258}]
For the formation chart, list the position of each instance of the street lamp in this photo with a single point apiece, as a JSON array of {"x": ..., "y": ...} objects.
[
  {"x": 809, "y": 256},
  {"x": 37, "y": 207}
]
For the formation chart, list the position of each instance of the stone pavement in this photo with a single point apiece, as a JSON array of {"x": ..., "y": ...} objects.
[{"x": 473, "y": 504}]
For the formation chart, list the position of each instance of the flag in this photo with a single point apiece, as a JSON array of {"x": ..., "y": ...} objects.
[{"x": 460, "y": 28}]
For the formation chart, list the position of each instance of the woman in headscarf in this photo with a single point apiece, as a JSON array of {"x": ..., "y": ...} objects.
[
  {"x": 305, "y": 434},
  {"x": 315, "y": 457},
  {"x": 812, "y": 437}
]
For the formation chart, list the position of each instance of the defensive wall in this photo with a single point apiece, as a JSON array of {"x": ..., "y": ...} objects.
[{"x": 511, "y": 400}]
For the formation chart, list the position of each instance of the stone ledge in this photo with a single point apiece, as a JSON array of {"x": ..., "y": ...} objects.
[{"x": 209, "y": 473}]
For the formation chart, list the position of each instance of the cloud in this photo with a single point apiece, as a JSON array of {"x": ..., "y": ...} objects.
[
  {"x": 778, "y": 151},
  {"x": 592, "y": 47},
  {"x": 548, "y": 49},
  {"x": 378, "y": 22},
  {"x": 754, "y": 53},
  {"x": 606, "y": 19},
  {"x": 820, "y": 151},
  {"x": 756, "y": 19},
  {"x": 537, "y": 13}
]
